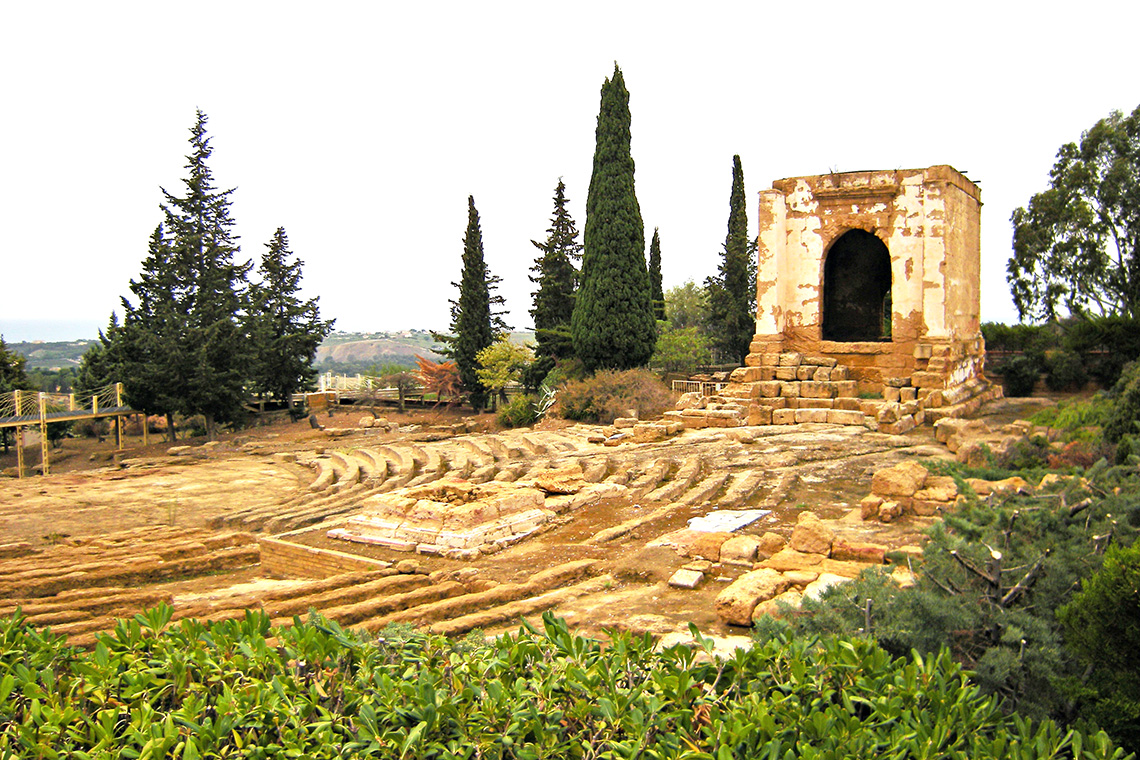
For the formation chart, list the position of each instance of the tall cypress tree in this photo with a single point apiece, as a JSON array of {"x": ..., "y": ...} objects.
[
  {"x": 613, "y": 325},
  {"x": 471, "y": 317},
  {"x": 732, "y": 291},
  {"x": 557, "y": 279},
  {"x": 211, "y": 289},
  {"x": 656, "y": 292},
  {"x": 284, "y": 330}
]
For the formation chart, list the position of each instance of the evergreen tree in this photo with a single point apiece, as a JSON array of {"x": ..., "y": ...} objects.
[
  {"x": 13, "y": 376},
  {"x": 471, "y": 318},
  {"x": 557, "y": 280},
  {"x": 612, "y": 325},
  {"x": 148, "y": 351},
  {"x": 284, "y": 330},
  {"x": 210, "y": 290},
  {"x": 656, "y": 292},
  {"x": 732, "y": 291}
]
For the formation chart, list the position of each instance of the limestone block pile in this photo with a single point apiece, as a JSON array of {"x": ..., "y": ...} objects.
[
  {"x": 811, "y": 561},
  {"x": 455, "y": 518}
]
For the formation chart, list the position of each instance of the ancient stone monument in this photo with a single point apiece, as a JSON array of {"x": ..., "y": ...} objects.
[{"x": 867, "y": 285}]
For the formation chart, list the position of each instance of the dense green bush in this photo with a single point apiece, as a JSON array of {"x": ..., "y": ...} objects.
[
  {"x": 609, "y": 394},
  {"x": 1102, "y": 624},
  {"x": 1020, "y": 375},
  {"x": 1064, "y": 371},
  {"x": 1125, "y": 417},
  {"x": 1105, "y": 344},
  {"x": 246, "y": 689},
  {"x": 520, "y": 411}
]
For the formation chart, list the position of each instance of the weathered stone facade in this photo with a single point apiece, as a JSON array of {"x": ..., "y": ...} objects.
[{"x": 928, "y": 224}]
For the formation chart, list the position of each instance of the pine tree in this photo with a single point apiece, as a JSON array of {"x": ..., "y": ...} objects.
[
  {"x": 211, "y": 289},
  {"x": 148, "y": 351},
  {"x": 284, "y": 330},
  {"x": 732, "y": 292},
  {"x": 656, "y": 292},
  {"x": 472, "y": 322},
  {"x": 613, "y": 325},
  {"x": 557, "y": 280}
]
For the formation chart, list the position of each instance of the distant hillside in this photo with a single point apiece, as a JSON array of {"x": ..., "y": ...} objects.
[
  {"x": 51, "y": 355},
  {"x": 358, "y": 352}
]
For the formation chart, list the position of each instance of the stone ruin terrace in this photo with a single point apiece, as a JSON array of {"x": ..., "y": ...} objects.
[{"x": 459, "y": 530}]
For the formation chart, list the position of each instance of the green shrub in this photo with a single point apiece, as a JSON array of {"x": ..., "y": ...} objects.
[
  {"x": 1064, "y": 371},
  {"x": 1102, "y": 624},
  {"x": 1020, "y": 375},
  {"x": 1125, "y": 416},
  {"x": 610, "y": 394},
  {"x": 1105, "y": 344},
  {"x": 520, "y": 411}
]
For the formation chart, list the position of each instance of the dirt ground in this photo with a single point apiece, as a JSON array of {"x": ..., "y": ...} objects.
[{"x": 94, "y": 490}]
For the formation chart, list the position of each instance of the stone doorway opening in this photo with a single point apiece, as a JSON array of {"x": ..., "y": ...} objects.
[{"x": 857, "y": 289}]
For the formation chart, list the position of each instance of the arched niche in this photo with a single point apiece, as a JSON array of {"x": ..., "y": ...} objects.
[{"x": 857, "y": 289}]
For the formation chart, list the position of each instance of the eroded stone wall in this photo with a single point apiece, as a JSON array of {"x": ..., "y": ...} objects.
[{"x": 928, "y": 219}]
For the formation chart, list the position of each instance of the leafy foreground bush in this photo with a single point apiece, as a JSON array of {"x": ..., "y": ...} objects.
[
  {"x": 610, "y": 394},
  {"x": 244, "y": 689}
]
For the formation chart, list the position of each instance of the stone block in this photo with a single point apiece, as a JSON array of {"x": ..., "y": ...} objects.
[
  {"x": 870, "y": 406},
  {"x": 687, "y": 579},
  {"x": 777, "y": 403},
  {"x": 770, "y": 359},
  {"x": 904, "y": 479},
  {"x": 786, "y": 373},
  {"x": 739, "y": 550},
  {"x": 845, "y": 388},
  {"x": 815, "y": 403},
  {"x": 770, "y": 543},
  {"x": 869, "y": 506},
  {"x": 805, "y": 372},
  {"x": 624, "y": 423},
  {"x": 790, "y": 359},
  {"x": 789, "y": 559},
  {"x": 759, "y": 415},
  {"x": 841, "y": 417},
  {"x": 767, "y": 373},
  {"x": 839, "y": 374},
  {"x": 776, "y": 606},
  {"x": 928, "y": 380},
  {"x": 734, "y": 605},
  {"x": 888, "y": 413},
  {"x": 791, "y": 403},
  {"x": 892, "y": 395},
  {"x": 810, "y": 535},
  {"x": 905, "y": 424},
  {"x": 848, "y": 405},
  {"x": 822, "y": 375},
  {"x": 855, "y": 551},
  {"x": 769, "y": 389},
  {"x": 790, "y": 389},
  {"x": 896, "y": 382},
  {"x": 821, "y": 361},
  {"x": 825, "y": 581},
  {"x": 801, "y": 578},
  {"x": 812, "y": 389},
  {"x": 811, "y": 415},
  {"x": 908, "y": 394},
  {"x": 784, "y": 416},
  {"x": 745, "y": 375},
  {"x": 707, "y": 545}
]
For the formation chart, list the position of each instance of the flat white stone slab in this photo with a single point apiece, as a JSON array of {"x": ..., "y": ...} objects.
[{"x": 726, "y": 520}]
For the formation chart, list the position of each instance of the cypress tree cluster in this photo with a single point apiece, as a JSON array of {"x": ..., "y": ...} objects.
[
  {"x": 557, "y": 280},
  {"x": 732, "y": 295},
  {"x": 613, "y": 325}
]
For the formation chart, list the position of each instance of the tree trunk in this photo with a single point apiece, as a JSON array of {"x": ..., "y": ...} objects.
[
  {"x": 171, "y": 433},
  {"x": 212, "y": 428}
]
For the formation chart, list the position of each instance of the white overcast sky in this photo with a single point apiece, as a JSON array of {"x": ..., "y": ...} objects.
[{"x": 363, "y": 127}]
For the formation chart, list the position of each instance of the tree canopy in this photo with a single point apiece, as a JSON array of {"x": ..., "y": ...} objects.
[
  {"x": 557, "y": 280},
  {"x": 732, "y": 291},
  {"x": 1075, "y": 245},
  {"x": 285, "y": 331},
  {"x": 613, "y": 325},
  {"x": 656, "y": 293}
]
